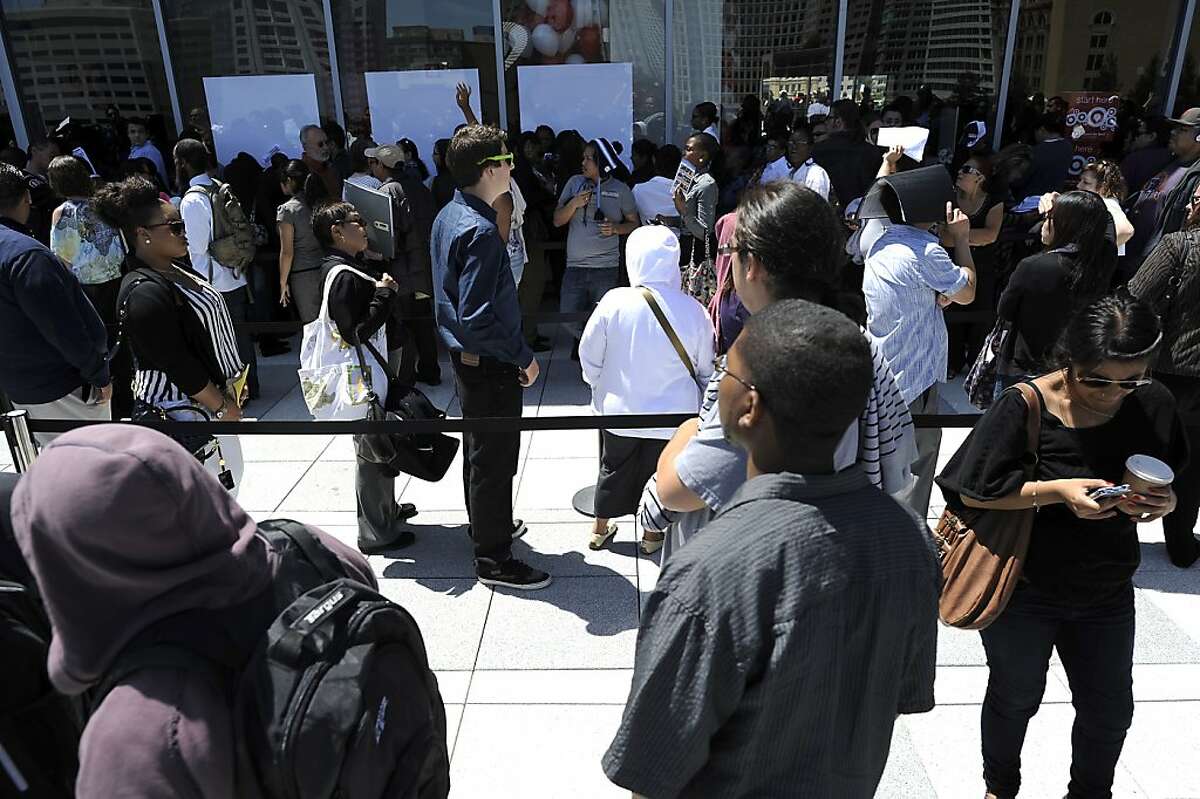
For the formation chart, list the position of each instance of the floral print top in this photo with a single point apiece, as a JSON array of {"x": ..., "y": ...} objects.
[{"x": 89, "y": 246}]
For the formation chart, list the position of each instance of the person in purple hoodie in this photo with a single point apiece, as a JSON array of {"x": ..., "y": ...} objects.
[{"x": 157, "y": 536}]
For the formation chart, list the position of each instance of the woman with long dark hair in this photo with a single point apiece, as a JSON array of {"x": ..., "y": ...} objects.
[
  {"x": 977, "y": 198},
  {"x": 1045, "y": 289},
  {"x": 300, "y": 253},
  {"x": 1098, "y": 408}
]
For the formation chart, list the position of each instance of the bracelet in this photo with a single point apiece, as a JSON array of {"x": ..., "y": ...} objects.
[
  {"x": 222, "y": 408},
  {"x": 1036, "y": 507}
]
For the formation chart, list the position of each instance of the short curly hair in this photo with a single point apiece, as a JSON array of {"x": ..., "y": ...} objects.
[
  {"x": 128, "y": 204},
  {"x": 1110, "y": 181}
]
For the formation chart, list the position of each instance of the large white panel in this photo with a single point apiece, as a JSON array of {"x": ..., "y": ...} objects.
[
  {"x": 259, "y": 114},
  {"x": 418, "y": 105},
  {"x": 594, "y": 99}
]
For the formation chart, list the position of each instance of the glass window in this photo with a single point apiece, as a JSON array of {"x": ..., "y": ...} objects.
[
  {"x": 729, "y": 51},
  {"x": 1117, "y": 51},
  {"x": 77, "y": 79},
  {"x": 1189, "y": 77},
  {"x": 592, "y": 32},
  {"x": 217, "y": 38},
  {"x": 386, "y": 35}
]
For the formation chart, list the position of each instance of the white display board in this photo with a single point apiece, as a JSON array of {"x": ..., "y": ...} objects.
[
  {"x": 260, "y": 114},
  {"x": 594, "y": 99},
  {"x": 418, "y": 105}
]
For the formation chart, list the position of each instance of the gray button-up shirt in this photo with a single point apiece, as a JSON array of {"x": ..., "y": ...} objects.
[{"x": 778, "y": 647}]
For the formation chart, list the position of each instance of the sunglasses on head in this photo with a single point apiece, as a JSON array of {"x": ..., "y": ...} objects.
[{"x": 176, "y": 227}]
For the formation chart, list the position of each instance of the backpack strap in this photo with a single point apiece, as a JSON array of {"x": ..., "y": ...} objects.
[
  {"x": 324, "y": 561},
  {"x": 665, "y": 323}
]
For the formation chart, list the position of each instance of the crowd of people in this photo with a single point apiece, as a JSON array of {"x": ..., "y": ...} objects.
[{"x": 785, "y": 282}]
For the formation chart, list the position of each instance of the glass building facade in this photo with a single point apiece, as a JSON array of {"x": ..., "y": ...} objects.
[{"x": 87, "y": 60}]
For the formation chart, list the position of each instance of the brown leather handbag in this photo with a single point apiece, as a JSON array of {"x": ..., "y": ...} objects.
[{"x": 982, "y": 551}]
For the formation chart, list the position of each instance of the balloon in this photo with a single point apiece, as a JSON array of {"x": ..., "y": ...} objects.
[
  {"x": 590, "y": 43},
  {"x": 576, "y": 58},
  {"x": 545, "y": 40},
  {"x": 560, "y": 14},
  {"x": 567, "y": 41},
  {"x": 538, "y": 6}
]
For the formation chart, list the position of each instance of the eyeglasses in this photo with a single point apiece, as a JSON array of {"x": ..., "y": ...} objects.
[
  {"x": 353, "y": 220},
  {"x": 731, "y": 249},
  {"x": 967, "y": 169},
  {"x": 175, "y": 226},
  {"x": 721, "y": 370},
  {"x": 1104, "y": 382},
  {"x": 503, "y": 158},
  {"x": 799, "y": 144},
  {"x": 1193, "y": 201}
]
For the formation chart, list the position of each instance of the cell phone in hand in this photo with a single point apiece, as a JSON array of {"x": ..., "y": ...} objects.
[{"x": 1108, "y": 492}]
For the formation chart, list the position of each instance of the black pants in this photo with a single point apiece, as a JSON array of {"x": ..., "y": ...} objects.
[
  {"x": 238, "y": 303},
  {"x": 1096, "y": 647},
  {"x": 626, "y": 463},
  {"x": 489, "y": 459},
  {"x": 104, "y": 299},
  {"x": 1179, "y": 526},
  {"x": 418, "y": 341}
]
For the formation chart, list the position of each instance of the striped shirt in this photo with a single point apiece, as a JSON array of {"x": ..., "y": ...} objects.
[
  {"x": 153, "y": 386},
  {"x": 776, "y": 667},
  {"x": 905, "y": 269}
]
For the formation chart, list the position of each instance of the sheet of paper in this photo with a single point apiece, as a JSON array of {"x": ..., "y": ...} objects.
[
  {"x": 418, "y": 105},
  {"x": 257, "y": 113},
  {"x": 594, "y": 99},
  {"x": 912, "y": 139}
]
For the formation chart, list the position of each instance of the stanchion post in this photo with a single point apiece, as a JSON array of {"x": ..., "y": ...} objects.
[{"x": 20, "y": 441}]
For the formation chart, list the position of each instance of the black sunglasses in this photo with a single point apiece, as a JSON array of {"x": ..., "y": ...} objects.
[
  {"x": 1104, "y": 382},
  {"x": 176, "y": 227}
]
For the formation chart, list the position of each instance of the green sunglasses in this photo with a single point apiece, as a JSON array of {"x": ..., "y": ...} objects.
[{"x": 503, "y": 158}]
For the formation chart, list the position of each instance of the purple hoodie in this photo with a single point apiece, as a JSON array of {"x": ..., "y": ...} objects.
[{"x": 121, "y": 528}]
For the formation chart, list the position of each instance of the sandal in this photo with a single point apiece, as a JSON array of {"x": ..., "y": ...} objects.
[
  {"x": 651, "y": 545},
  {"x": 600, "y": 539}
]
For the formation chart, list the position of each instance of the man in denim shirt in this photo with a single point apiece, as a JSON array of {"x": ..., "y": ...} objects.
[{"x": 479, "y": 320}]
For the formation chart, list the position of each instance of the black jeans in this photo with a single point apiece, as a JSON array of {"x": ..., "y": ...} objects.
[
  {"x": 238, "y": 303},
  {"x": 489, "y": 459},
  {"x": 1179, "y": 526},
  {"x": 420, "y": 354},
  {"x": 1095, "y": 644}
]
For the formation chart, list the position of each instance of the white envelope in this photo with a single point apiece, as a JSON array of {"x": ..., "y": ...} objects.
[{"x": 912, "y": 139}]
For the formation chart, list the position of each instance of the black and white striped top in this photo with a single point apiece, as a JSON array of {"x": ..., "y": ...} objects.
[{"x": 154, "y": 386}]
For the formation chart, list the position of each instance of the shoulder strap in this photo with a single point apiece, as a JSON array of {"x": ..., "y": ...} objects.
[
  {"x": 1033, "y": 424},
  {"x": 314, "y": 551},
  {"x": 670, "y": 331}
]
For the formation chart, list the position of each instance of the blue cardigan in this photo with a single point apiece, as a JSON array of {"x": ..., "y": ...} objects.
[{"x": 52, "y": 341}]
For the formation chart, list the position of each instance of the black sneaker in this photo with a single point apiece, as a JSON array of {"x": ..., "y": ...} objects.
[
  {"x": 512, "y": 573},
  {"x": 519, "y": 529},
  {"x": 402, "y": 539}
]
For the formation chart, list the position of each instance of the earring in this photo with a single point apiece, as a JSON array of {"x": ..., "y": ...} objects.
[{"x": 147, "y": 241}]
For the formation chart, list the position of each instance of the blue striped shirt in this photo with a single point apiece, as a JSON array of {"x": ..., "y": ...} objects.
[{"x": 905, "y": 269}]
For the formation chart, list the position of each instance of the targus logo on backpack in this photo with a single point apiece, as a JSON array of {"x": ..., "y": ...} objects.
[
  {"x": 327, "y": 604},
  {"x": 381, "y": 719}
]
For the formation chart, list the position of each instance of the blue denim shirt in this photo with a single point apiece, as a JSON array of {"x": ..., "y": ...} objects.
[{"x": 475, "y": 298}]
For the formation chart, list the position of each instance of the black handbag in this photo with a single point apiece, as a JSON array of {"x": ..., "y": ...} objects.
[{"x": 426, "y": 456}]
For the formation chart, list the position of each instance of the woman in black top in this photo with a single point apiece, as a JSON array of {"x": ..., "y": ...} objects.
[
  {"x": 1076, "y": 591},
  {"x": 1047, "y": 288},
  {"x": 1170, "y": 279},
  {"x": 976, "y": 198},
  {"x": 359, "y": 306},
  {"x": 176, "y": 324}
]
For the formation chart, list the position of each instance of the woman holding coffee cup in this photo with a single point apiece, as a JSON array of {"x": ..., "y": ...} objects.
[{"x": 1104, "y": 422}]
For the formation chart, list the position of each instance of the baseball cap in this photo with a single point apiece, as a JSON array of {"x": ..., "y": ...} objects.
[
  {"x": 387, "y": 154},
  {"x": 1190, "y": 118}
]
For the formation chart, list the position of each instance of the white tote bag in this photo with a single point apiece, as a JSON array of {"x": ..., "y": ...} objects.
[{"x": 331, "y": 376}]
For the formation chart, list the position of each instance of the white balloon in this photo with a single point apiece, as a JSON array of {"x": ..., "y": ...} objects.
[
  {"x": 545, "y": 39},
  {"x": 567, "y": 41},
  {"x": 538, "y": 6}
]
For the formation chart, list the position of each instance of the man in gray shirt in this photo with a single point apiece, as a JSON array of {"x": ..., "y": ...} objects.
[
  {"x": 777, "y": 666},
  {"x": 598, "y": 209}
]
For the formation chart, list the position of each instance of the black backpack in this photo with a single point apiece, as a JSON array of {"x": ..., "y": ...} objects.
[{"x": 329, "y": 683}]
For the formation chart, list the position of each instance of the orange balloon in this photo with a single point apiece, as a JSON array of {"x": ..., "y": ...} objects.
[{"x": 590, "y": 43}]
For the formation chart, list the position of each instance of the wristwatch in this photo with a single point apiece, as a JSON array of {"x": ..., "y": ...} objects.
[{"x": 219, "y": 413}]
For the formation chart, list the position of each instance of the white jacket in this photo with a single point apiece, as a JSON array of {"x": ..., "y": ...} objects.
[{"x": 627, "y": 358}]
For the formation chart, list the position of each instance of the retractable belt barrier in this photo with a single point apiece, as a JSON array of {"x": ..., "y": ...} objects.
[{"x": 457, "y": 425}]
